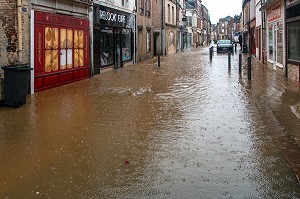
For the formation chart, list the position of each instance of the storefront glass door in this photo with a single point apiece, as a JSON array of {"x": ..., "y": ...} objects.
[
  {"x": 275, "y": 43},
  {"x": 107, "y": 47}
]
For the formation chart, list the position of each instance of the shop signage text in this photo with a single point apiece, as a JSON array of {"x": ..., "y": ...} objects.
[
  {"x": 110, "y": 16},
  {"x": 288, "y": 2},
  {"x": 275, "y": 14}
]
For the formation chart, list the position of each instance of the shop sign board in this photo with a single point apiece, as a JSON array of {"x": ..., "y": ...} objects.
[
  {"x": 275, "y": 13},
  {"x": 110, "y": 17}
]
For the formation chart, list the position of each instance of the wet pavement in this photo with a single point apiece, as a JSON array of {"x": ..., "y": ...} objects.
[{"x": 189, "y": 129}]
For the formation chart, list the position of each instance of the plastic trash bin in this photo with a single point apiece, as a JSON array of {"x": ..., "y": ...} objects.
[
  {"x": 245, "y": 48},
  {"x": 16, "y": 80}
]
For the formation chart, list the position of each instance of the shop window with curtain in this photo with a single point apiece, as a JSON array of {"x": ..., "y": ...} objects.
[
  {"x": 51, "y": 49},
  {"x": 293, "y": 37},
  {"x": 126, "y": 45},
  {"x": 71, "y": 42}
]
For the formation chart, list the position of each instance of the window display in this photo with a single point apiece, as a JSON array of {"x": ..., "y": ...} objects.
[
  {"x": 126, "y": 44},
  {"x": 107, "y": 47},
  {"x": 293, "y": 41}
]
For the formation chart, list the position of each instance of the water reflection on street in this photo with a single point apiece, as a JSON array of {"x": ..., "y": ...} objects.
[{"x": 189, "y": 129}]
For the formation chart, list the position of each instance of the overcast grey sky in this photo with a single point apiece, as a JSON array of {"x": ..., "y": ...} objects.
[{"x": 222, "y": 8}]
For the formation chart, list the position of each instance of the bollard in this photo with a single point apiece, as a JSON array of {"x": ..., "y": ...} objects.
[
  {"x": 229, "y": 60},
  {"x": 158, "y": 60},
  {"x": 249, "y": 68},
  {"x": 240, "y": 63},
  {"x": 211, "y": 49},
  {"x": 235, "y": 46}
]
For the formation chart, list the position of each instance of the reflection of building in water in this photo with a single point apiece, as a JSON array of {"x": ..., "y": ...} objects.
[{"x": 113, "y": 38}]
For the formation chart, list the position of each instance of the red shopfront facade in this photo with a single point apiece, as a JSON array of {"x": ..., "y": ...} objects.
[{"x": 61, "y": 50}]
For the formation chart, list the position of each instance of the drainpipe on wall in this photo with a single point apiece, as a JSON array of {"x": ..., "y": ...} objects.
[
  {"x": 135, "y": 34},
  {"x": 91, "y": 20},
  {"x": 20, "y": 32},
  {"x": 162, "y": 28},
  {"x": 286, "y": 44}
]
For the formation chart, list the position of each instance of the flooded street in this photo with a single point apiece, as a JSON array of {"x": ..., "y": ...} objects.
[{"x": 189, "y": 129}]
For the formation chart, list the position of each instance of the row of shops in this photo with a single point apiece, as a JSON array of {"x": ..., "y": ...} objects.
[
  {"x": 71, "y": 41},
  {"x": 272, "y": 33},
  {"x": 63, "y": 49}
]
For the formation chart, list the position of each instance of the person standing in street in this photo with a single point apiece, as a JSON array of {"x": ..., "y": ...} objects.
[{"x": 240, "y": 41}]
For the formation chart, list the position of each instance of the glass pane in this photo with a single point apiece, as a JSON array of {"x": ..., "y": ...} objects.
[
  {"x": 55, "y": 38},
  {"x": 55, "y": 60},
  {"x": 48, "y": 38},
  {"x": 76, "y": 58},
  {"x": 69, "y": 58},
  {"x": 294, "y": 41},
  {"x": 280, "y": 43},
  {"x": 76, "y": 39},
  {"x": 126, "y": 44},
  {"x": 107, "y": 47},
  {"x": 80, "y": 57},
  {"x": 63, "y": 59},
  {"x": 48, "y": 60},
  {"x": 63, "y": 38},
  {"x": 81, "y": 36},
  {"x": 271, "y": 42},
  {"x": 69, "y": 38}
]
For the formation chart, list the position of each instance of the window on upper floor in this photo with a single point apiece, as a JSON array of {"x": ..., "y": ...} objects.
[
  {"x": 169, "y": 14},
  {"x": 148, "y": 8},
  {"x": 189, "y": 21},
  {"x": 125, "y": 3},
  {"x": 141, "y": 7},
  {"x": 173, "y": 15}
]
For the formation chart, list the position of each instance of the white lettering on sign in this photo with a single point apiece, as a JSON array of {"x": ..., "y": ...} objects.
[
  {"x": 290, "y": 2},
  {"x": 109, "y": 16}
]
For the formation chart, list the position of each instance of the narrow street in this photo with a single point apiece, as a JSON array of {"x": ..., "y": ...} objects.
[{"x": 188, "y": 129}]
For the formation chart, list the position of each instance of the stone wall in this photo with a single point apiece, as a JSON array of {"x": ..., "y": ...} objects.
[
  {"x": 293, "y": 72},
  {"x": 8, "y": 35},
  {"x": 9, "y": 52}
]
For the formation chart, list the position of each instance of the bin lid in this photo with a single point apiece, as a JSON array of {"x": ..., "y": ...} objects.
[{"x": 16, "y": 67}]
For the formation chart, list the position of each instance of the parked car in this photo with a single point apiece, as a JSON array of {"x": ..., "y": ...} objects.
[{"x": 224, "y": 46}]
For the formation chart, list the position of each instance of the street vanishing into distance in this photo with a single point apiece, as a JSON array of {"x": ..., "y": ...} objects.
[{"x": 191, "y": 128}]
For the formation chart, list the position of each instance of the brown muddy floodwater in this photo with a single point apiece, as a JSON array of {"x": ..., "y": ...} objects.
[{"x": 189, "y": 129}]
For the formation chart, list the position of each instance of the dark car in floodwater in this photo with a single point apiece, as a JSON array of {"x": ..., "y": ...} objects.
[{"x": 224, "y": 46}]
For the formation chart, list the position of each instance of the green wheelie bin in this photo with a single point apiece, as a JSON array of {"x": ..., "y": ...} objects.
[{"x": 16, "y": 80}]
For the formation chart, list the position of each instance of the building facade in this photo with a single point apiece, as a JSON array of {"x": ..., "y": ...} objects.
[
  {"x": 292, "y": 22},
  {"x": 113, "y": 34},
  {"x": 49, "y": 36},
  {"x": 144, "y": 31}
]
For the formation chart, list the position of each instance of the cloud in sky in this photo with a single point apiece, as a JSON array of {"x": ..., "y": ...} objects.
[{"x": 222, "y": 8}]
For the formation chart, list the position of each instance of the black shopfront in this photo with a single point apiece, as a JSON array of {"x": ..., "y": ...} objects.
[{"x": 113, "y": 40}]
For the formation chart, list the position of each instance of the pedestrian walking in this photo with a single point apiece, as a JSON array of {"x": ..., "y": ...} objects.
[{"x": 240, "y": 41}]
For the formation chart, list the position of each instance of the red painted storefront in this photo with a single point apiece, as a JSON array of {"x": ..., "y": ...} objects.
[{"x": 61, "y": 50}]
